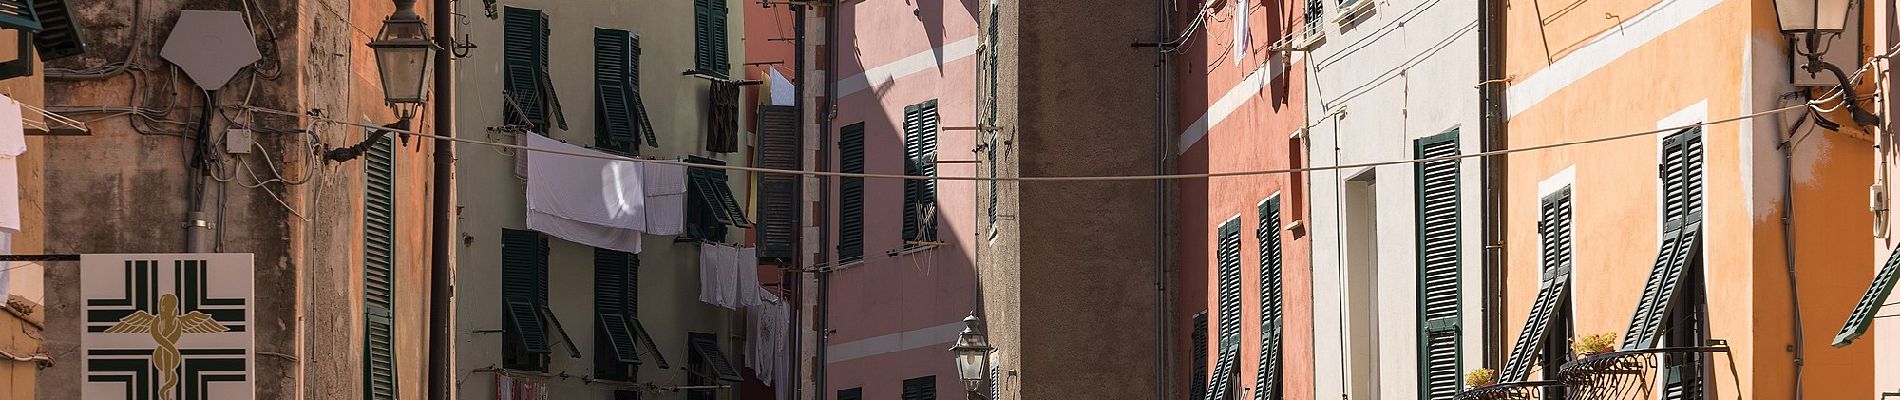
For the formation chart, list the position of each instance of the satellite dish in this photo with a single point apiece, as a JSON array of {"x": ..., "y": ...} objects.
[{"x": 211, "y": 46}]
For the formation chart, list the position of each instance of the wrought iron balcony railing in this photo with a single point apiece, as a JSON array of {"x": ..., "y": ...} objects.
[
  {"x": 1527, "y": 390},
  {"x": 1628, "y": 374}
]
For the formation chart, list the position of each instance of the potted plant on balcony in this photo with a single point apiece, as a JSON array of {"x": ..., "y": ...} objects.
[
  {"x": 1591, "y": 345},
  {"x": 1481, "y": 377}
]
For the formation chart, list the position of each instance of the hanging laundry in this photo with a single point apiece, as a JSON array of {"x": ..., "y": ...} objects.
[
  {"x": 716, "y": 274},
  {"x": 598, "y": 202},
  {"x": 626, "y": 240},
  {"x": 746, "y": 266},
  {"x": 511, "y": 388},
  {"x": 722, "y": 118},
  {"x": 666, "y": 198},
  {"x": 12, "y": 145},
  {"x": 783, "y": 93}
]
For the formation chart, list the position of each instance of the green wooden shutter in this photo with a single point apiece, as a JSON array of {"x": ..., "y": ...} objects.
[
  {"x": 920, "y": 388},
  {"x": 1227, "y": 305},
  {"x": 613, "y": 105},
  {"x": 920, "y": 159},
  {"x": 1439, "y": 267},
  {"x": 524, "y": 286},
  {"x": 851, "y": 394},
  {"x": 521, "y": 45},
  {"x": 712, "y": 187},
  {"x": 379, "y": 253},
  {"x": 1555, "y": 229},
  {"x": 18, "y": 14},
  {"x": 851, "y": 193},
  {"x": 1681, "y": 174},
  {"x": 1863, "y": 315},
  {"x": 705, "y": 348},
  {"x": 709, "y": 38},
  {"x": 614, "y": 344},
  {"x": 546, "y": 81},
  {"x": 992, "y": 76},
  {"x": 59, "y": 35},
  {"x": 1272, "y": 303},
  {"x": 644, "y": 122},
  {"x": 778, "y": 194},
  {"x": 1199, "y": 337}
]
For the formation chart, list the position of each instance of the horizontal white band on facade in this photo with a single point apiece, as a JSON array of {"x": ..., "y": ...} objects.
[
  {"x": 936, "y": 336},
  {"x": 1602, "y": 50},
  {"x": 1234, "y": 98},
  {"x": 908, "y": 65}
]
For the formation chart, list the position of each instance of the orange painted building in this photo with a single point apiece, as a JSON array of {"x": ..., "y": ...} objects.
[{"x": 1674, "y": 242}]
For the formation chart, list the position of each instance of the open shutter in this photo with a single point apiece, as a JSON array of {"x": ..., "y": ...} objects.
[
  {"x": 59, "y": 35},
  {"x": 921, "y": 388},
  {"x": 778, "y": 194},
  {"x": 920, "y": 159},
  {"x": 1272, "y": 307},
  {"x": 613, "y": 105},
  {"x": 851, "y": 193},
  {"x": 1439, "y": 267},
  {"x": 613, "y": 335},
  {"x": 711, "y": 186},
  {"x": 18, "y": 14},
  {"x": 379, "y": 222},
  {"x": 1199, "y": 385},
  {"x": 1863, "y": 315},
  {"x": 709, "y": 38},
  {"x": 552, "y": 101},
  {"x": 521, "y": 45},
  {"x": 1554, "y": 227},
  {"x": 524, "y": 286},
  {"x": 705, "y": 347},
  {"x": 1681, "y": 175},
  {"x": 1227, "y": 306}
]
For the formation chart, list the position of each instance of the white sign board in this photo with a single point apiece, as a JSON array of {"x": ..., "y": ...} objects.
[{"x": 167, "y": 326}]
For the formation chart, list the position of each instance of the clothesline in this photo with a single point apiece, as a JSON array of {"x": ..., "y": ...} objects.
[{"x": 1209, "y": 175}]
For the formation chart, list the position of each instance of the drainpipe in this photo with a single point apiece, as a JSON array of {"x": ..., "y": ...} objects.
[
  {"x": 796, "y": 292},
  {"x": 1491, "y": 138},
  {"x": 820, "y": 312},
  {"x": 442, "y": 206},
  {"x": 1162, "y": 227}
]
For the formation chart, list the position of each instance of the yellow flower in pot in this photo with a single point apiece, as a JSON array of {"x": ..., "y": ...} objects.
[
  {"x": 1481, "y": 377},
  {"x": 1590, "y": 345}
]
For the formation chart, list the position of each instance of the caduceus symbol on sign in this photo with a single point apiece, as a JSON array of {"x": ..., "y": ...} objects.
[{"x": 166, "y": 328}]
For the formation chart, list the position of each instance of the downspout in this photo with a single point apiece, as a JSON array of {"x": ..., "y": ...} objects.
[
  {"x": 1491, "y": 137},
  {"x": 795, "y": 293},
  {"x": 1162, "y": 226},
  {"x": 820, "y": 314},
  {"x": 442, "y": 206}
]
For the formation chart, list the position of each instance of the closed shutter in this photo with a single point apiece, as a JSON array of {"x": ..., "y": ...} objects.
[
  {"x": 1272, "y": 306},
  {"x": 992, "y": 76},
  {"x": 59, "y": 36},
  {"x": 1554, "y": 227},
  {"x": 613, "y": 105},
  {"x": 521, "y": 44},
  {"x": 922, "y": 388},
  {"x": 614, "y": 344},
  {"x": 1197, "y": 387},
  {"x": 920, "y": 159},
  {"x": 524, "y": 286},
  {"x": 778, "y": 194},
  {"x": 1439, "y": 267},
  {"x": 379, "y": 252},
  {"x": 1227, "y": 305},
  {"x": 1863, "y": 315},
  {"x": 996, "y": 383},
  {"x": 18, "y": 14},
  {"x": 709, "y": 38},
  {"x": 851, "y": 193}
]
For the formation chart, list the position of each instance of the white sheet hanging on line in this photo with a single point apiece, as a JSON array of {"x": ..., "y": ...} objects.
[
  {"x": 626, "y": 240},
  {"x": 597, "y": 191},
  {"x": 782, "y": 89},
  {"x": 12, "y": 145},
  {"x": 1240, "y": 31},
  {"x": 666, "y": 198},
  {"x": 716, "y": 276},
  {"x": 746, "y": 266}
]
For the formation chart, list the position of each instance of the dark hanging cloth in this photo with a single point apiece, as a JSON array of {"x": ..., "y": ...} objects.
[{"x": 722, "y": 128}]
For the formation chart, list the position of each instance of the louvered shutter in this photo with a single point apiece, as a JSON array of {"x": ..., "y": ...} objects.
[
  {"x": 778, "y": 194},
  {"x": 524, "y": 286},
  {"x": 851, "y": 394},
  {"x": 522, "y": 62},
  {"x": 59, "y": 35},
  {"x": 712, "y": 187},
  {"x": 921, "y": 388},
  {"x": 613, "y": 105},
  {"x": 705, "y": 348},
  {"x": 18, "y": 14},
  {"x": 1272, "y": 306},
  {"x": 1554, "y": 228},
  {"x": 645, "y": 123},
  {"x": 992, "y": 76},
  {"x": 613, "y": 335},
  {"x": 996, "y": 382},
  {"x": 920, "y": 159},
  {"x": 1680, "y": 172},
  {"x": 1227, "y": 305},
  {"x": 1863, "y": 315},
  {"x": 1199, "y": 385},
  {"x": 552, "y": 101},
  {"x": 379, "y": 222},
  {"x": 851, "y": 193},
  {"x": 1439, "y": 267},
  {"x": 709, "y": 37}
]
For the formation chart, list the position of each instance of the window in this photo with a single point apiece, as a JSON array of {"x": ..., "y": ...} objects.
[
  {"x": 710, "y": 205},
  {"x": 1267, "y": 381},
  {"x": 527, "y": 322},
  {"x": 1547, "y": 330},
  {"x": 851, "y": 193},
  {"x": 707, "y": 365},
  {"x": 616, "y": 304},
  {"x": 990, "y": 107},
  {"x": 620, "y": 117},
  {"x": 530, "y": 92},
  {"x": 921, "y": 388},
  {"x": 379, "y": 278},
  {"x": 1362, "y": 286},
  {"x": 709, "y": 38},
  {"x": 1671, "y": 311},
  {"x": 1440, "y": 375},
  {"x": 1315, "y": 10},
  {"x": 1199, "y": 385},
  {"x": 920, "y": 156},
  {"x": 1227, "y": 307},
  {"x": 851, "y": 394},
  {"x": 778, "y": 194}
]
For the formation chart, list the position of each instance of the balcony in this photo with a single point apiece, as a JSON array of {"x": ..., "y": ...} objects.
[
  {"x": 1527, "y": 390},
  {"x": 1630, "y": 374}
]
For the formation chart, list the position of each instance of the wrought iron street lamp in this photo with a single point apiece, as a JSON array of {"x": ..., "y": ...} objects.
[
  {"x": 1810, "y": 19},
  {"x": 403, "y": 56},
  {"x": 973, "y": 354}
]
